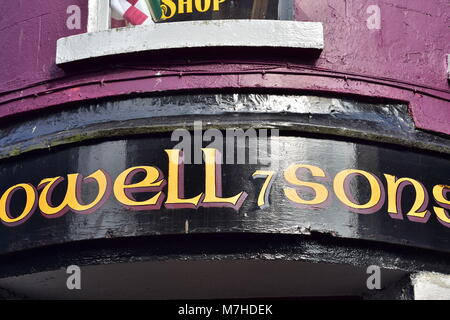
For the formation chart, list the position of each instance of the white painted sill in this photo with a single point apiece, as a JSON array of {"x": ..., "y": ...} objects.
[{"x": 191, "y": 34}]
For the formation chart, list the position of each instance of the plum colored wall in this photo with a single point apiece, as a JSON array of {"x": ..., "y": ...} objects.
[{"x": 405, "y": 60}]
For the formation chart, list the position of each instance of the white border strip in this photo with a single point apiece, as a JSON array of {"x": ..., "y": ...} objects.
[
  {"x": 448, "y": 66},
  {"x": 191, "y": 34},
  {"x": 99, "y": 15}
]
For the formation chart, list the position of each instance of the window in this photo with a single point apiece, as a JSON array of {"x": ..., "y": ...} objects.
[
  {"x": 137, "y": 12},
  {"x": 240, "y": 23}
]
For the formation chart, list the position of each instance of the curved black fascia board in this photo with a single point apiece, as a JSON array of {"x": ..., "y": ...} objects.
[{"x": 344, "y": 119}]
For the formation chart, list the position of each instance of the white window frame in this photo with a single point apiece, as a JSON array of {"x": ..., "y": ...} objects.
[
  {"x": 99, "y": 18},
  {"x": 448, "y": 66}
]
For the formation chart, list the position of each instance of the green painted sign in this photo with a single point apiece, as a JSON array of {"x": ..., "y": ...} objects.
[{"x": 155, "y": 9}]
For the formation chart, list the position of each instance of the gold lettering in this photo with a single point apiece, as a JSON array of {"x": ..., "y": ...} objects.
[
  {"x": 213, "y": 183},
  {"x": 216, "y": 4},
  {"x": 341, "y": 188},
  {"x": 395, "y": 188},
  {"x": 198, "y": 5},
  {"x": 152, "y": 182},
  {"x": 30, "y": 205},
  {"x": 72, "y": 198},
  {"x": 442, "y": 214},
  {"x": 321, "y": 192},
  {"x": 175, "y": 191},
  {"x": 184, "y": 4},
  {"x": 168, "y": 5}
]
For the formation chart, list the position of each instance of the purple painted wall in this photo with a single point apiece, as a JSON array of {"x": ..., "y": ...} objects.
[
  {"x": 404, "y": 60},
  {"x": 410, "y": 46}
]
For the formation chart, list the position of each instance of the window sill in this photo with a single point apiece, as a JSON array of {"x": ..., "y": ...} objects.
[{"x": 191, "y": 34}]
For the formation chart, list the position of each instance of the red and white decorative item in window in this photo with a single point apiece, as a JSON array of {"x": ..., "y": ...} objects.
[{"x": 129, "y": 12}]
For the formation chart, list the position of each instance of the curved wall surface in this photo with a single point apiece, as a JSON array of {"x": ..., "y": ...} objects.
[{"x": 356, "y": 126}]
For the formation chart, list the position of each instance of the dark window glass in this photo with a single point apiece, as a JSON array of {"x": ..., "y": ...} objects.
[
  {"x": 174, "y": 10},
  {"x": 137, "y": 12}
]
